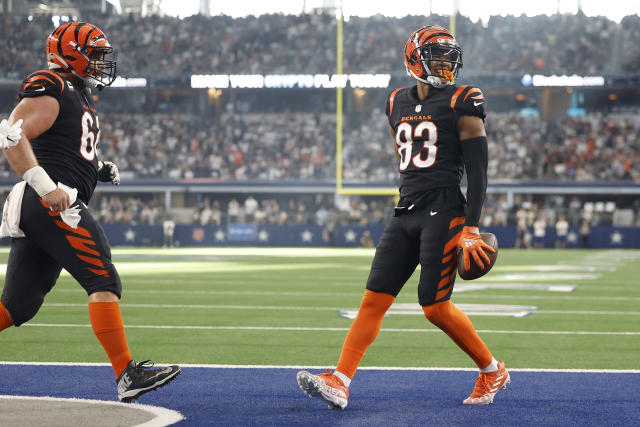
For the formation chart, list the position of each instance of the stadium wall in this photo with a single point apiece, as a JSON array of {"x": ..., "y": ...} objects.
[{"x": 350, "y": 236}]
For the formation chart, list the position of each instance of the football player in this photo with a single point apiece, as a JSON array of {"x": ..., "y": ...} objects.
[
  {"x": 57, "y": 148},
  {"x": 438, "y": 129}
]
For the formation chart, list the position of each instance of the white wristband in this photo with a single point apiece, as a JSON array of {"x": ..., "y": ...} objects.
[{"x": 38, "y": 179}]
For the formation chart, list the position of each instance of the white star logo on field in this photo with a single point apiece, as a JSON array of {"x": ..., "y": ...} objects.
[
  {"x": 129, "y": 235},
  {"x": 616, "y": 238},
  {"x": 306, "y": 236},
  {"x": 572, "y": 237},
  {"x": 263, "y": 236},
  {"x": 219, "y": 236},
  {"x": 350, "y": 236}
]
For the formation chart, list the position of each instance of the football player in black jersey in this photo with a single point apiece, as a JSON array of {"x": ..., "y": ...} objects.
[
  {"x": 60, "y": 135},
  {"x": 438, "y": 129}
]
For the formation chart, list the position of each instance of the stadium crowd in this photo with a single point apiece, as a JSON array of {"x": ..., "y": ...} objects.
[
  {"x": 323, "y": 210},
  {"x": 279, "y": 209},
  {"x": 294, "y": 146},
  {"x": 301, "y": 147},
  {"x": 556, "y": 44}
]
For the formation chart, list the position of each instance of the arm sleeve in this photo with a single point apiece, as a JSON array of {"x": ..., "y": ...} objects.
[
  {"x": 41, "y": 83},
  {"x": 475, "y": 153}
]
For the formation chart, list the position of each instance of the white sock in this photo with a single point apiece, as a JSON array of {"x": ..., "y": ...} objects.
[
  {"x": 492, "y": 367},
  {"x": 345, "y": 379}
]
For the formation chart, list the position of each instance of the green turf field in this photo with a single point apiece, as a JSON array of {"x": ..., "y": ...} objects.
[{"x": 281, "y": 307}]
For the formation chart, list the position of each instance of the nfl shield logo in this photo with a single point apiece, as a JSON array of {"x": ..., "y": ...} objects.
[{"x": 418, "y": 108}]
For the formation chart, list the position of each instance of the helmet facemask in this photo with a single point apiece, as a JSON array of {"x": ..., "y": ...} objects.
[
  {"x": 441, "y": 63},
  {"x": 101, "y": 72}
]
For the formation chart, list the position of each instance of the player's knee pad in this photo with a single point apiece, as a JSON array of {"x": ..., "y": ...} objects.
[{"x": 24, "y": 310}]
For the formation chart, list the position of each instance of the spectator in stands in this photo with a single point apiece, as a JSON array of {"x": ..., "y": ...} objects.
[
  {"x": 260, "y": 215},
  {"x": 330, "y": 233},
  {"x": 234, "y": 212},
  {"x": 216, "y": 213},
  {"x": 206, "y": 213},
  {"x": 523, "y": 237},
  {"x": 562, "y": 231},
  {"x": 539, "y": 231},
  {"x": 585, "y": 233},
  {"x": 168, "y": 229},
  {"x": 366, "y": 241}
]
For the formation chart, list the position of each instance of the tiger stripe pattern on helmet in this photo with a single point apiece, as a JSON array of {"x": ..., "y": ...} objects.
[
  {"x": 69, "y": 47},
  {"x": 416, "y": 63}
]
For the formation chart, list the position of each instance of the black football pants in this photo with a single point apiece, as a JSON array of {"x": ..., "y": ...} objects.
[
  {"x": 50, "y": 245},
  {"x": 422, "y": 237}
]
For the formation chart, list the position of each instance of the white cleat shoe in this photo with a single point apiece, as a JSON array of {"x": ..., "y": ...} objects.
[{"x": 326, "y": 387}]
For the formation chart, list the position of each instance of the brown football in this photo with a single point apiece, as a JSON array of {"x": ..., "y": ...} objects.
[{"x": 474, "y": 271}]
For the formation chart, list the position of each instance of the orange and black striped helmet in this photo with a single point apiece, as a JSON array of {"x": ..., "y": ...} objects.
[
  {"x": 81, "y": 48},
  {"x": 433, "y": 44}
]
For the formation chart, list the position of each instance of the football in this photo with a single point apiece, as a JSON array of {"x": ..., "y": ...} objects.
[{"x": 474, "y": 271}]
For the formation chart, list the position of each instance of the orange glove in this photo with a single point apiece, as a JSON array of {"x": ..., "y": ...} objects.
[{"x": 471, "y": 243}]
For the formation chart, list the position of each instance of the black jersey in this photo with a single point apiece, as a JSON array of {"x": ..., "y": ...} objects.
[
  {"x": 427, "y": 135},
  {"x": 67, "y": 150}
]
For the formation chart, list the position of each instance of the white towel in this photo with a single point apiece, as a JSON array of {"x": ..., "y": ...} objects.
[
  {"x": 11, "y": 212},
  {"x": 71, "y": 215},
  {"x": 12, "y": 206}
]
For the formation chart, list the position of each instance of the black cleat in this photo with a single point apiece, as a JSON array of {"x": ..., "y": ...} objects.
[{"x": 138, "y": 379}]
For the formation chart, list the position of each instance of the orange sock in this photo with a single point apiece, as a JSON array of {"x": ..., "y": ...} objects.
[
  {"x": 446, "y": 316},
  {"x": 363, "y": 331},
  {"x": 5, "y": 318},
  {"x": 106, "y": 321}
]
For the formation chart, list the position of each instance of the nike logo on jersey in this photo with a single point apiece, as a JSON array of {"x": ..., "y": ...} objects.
[
  {"x": 477, "y": 103},
  {"x": 433, "y": 213},
  {"x": 39, "y": 89}
]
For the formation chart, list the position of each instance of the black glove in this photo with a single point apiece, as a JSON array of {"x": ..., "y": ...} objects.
[{"x": 108, "y": 172}]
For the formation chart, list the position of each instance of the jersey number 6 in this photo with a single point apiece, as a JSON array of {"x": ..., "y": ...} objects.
[
  {"x": 407, "y": 133},
  {"x": 89, "y": 138}
]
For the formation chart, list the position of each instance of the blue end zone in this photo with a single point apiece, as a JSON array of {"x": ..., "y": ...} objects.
[{"x": 247, "y": 396}]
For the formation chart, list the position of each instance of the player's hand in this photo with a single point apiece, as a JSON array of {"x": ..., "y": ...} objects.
[
  {"x": 58, "y": 200},
  {"x": 108, "y": 172},
  {"x": 10, "y": 134},
  {"x": 472, "y": 244}
]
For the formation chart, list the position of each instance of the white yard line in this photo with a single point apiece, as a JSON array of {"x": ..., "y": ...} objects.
[
  {"x": 401, "y": 297},
  {"x": 309, "y": 329},
  {"x": 306, "y": 308}
]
